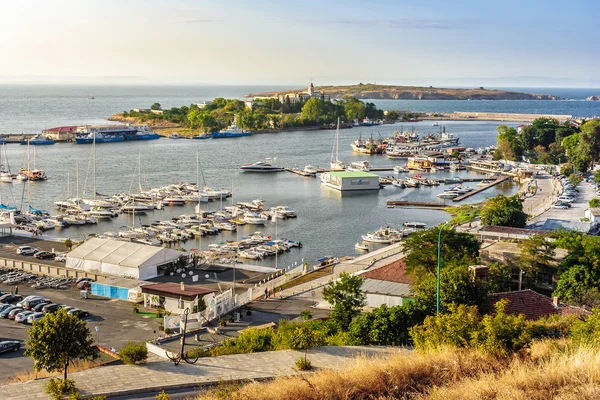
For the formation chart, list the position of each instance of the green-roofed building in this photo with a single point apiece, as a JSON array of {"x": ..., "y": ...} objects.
[{"x": 350, "y": 180}]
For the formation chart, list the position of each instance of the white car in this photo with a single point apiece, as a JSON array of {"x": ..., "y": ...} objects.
[
  {"x": 566, "y": 199},
  {"x": 35, "y": 317},
  {"x": 560, "y": 206},
  {"x": 26, "y": 250},
  {"x": 61, "y": 257}
]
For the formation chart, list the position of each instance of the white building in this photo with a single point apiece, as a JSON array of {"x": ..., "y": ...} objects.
[
  {"x": 350, "y": 180},
  {"x": 175, "y": 298},
  {"x": 204, "y": 104},
  {"x": 127, "y": 259}
]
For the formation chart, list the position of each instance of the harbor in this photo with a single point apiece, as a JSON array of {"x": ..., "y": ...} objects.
[{"x": 118, "y": 166}]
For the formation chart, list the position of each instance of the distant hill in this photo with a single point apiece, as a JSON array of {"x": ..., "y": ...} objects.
[{"x": 371, "y": 91}]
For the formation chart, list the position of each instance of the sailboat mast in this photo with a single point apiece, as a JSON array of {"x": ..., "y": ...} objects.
[
  {"x": 140, "y": 169},
  {"x": 94, "y": 171},
  {"x": 77, "y": 178}
]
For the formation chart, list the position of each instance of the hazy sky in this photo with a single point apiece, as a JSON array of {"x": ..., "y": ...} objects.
[{"x": 477, "y": 42}]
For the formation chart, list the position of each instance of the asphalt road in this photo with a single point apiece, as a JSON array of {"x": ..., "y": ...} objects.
[{"x": 114, "y": 318}]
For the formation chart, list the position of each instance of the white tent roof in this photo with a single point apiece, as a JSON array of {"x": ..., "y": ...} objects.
[{"x": 125, "y": 254}]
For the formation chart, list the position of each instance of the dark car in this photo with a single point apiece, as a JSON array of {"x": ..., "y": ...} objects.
[
  {"x": 38, "y": 307},
  {"x": 42, "y": 255},
  {"x": 10, "y": 298},
  {"x": 79, "y": 313},
  {"x": 4, "y": 313},
  {"x": 29, "y": 304},
  {"x": 83, "y": 278},
  {"x": 84, "y": 285},
  {"x": 13, "y": 313},
  {"x": 9, "y": 345},
  {"x": 50, "y": 308}
]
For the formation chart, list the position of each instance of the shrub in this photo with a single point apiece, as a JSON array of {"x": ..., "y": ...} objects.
[
  {"x": 163, "y": 396},
  {"x": 197, "y": 352},
  {"x": 303, "y": 364},
  {"x": 588, "y": 331},
  {"x": 168, "y": 331},
  {"x": 134, "y": 353},
  {"x": 57, "y": 388},
  {"x": 305, "y": 315},
  {"x": 255, "y": 340},
  {"x": 136, "y": 308}
]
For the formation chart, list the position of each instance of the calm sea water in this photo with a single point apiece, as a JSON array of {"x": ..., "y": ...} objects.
[{"x": 327, "y": 224}]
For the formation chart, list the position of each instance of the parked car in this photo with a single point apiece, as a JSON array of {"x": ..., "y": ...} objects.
[
  {"x": 560, "y": 206},
  {"x": 4, "y": 306},
  {"x": 50, "y": 308},
  {"x": 29, "y": 304},
  {"x": 43, "y": 255},
  {"x": 9, "y": 345},
  {"x": 10, "y": 298},
  {"x": 566, "y": 199},
  {"x": 79, "y": 313},
  {"x": 83, "y": 278},
  {"x": 68, "y": 308},
  {"x": 36, "y": 316},
  {"x": 26, "y": 250},
  {"x": 13, "y": 313},
  {"x": 28, "y": 298},
  {"x": 61, "y": 257},
  {"x": 22, "y": 316},
  {"x": 42, "y": 304},
  {"x": 84, "y": 285},
  {"x": 4, "y": 313}
]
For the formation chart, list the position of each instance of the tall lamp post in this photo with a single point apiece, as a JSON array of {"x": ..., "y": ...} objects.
[{"x": 438, "y": 267}]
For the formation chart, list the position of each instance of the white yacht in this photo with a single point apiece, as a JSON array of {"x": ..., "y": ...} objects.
[
  {"x": 399, "y": 169},
  {"x": 448, "y": 194},
  {"x": 288, "y": 212},
  {"x": 385, "y": 235},
  {"x": 261, "y": 166},
  {"x": 359, "y": 166},
  {"x": 100, "y": 212},
  {"x": 309, "y": 169},
  {"x": 254, "y": 219}
]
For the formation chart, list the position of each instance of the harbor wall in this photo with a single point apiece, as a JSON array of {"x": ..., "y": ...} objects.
[{"x": 50, "y": 270}]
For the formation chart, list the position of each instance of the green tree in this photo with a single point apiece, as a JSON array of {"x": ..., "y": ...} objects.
[
  {"x": 314, "y": 109},
  {"x": 582, "y": 162},
  {"x": 68, "y": 244},
  {"x": 574, "y": 179},
  {"x": 499, "y": 278},
  {"x": 503, "y": 211},
  {"x": 56, "y": 340},
  {"x": 590, "y": 139},
  {"x": 454, "y": 328},
  {"x": 421, "y": 249},
  {"x": 155, "y": 106},
  {"x": 134, "y": 353},
  {"x": 306, "y": 315},
  {"x": 354, "y": 109},
  {"x": 346, "y": 297},
  {"x": 595, "y": 202},
  {"x": 509, "y": 143},
  {"x": 536, "y": 254},
  {"x": 305, "y": 338},
  {"x": 571, "y": 144},
  {"x": 566, "y": 169}
]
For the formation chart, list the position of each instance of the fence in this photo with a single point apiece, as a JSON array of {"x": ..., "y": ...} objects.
[
  {"x": 277, "y": 279},
  {"x": 47, "y": 269}
]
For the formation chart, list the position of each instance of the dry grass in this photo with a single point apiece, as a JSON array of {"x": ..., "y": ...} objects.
[{"x": 551, "y": 370}]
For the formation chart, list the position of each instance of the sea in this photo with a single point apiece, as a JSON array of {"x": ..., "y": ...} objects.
[{"x": 329, "y": 223}]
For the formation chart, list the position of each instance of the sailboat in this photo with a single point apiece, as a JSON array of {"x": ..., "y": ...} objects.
[
  {"x": 34, "y": 174},
  {"x": 5, "y": 175},
  {"x": 96, "y": 203},
  {"x": 335, "y": 164}
]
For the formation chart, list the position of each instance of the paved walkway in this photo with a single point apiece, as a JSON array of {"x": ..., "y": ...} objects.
[
  {"x": 375, "y": 258},
  {"x": 126, "y": 379},
  {"x": 545, "y": 194}
]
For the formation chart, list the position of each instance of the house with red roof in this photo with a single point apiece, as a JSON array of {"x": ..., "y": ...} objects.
[
  {"x": 389, "y": 285},
  {"x": 61, "y": 133},
  {"x": 527, "y": 302}
]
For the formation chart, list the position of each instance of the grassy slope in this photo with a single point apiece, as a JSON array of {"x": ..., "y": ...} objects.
[
  {"x": 371, "y": 91},
  {"x": 545, "y": 373}
]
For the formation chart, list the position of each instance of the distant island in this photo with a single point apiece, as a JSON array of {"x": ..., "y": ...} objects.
[{"x": 373, "y": 91}]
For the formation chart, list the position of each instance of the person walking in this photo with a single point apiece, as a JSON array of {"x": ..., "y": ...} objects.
[
  {"x": 266, "y": 293},
  {"x": 281, "y": 293},
  {"x": 16, "y": 289}
]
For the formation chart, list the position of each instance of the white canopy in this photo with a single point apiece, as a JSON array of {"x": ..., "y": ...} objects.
[{"x": 114, "y": 257}]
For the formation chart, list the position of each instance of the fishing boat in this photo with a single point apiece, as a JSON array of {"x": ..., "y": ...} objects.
[
  {"x": 261, "y": 166},
  {"x": 361, "y": 246},
  {"x": 415, "y": 224},
  {"x": 38, "y": 140},
  {"x": 399, "y": 183},
  {"x": 335, "y": 164},
  {"x": 368, "y": 122},
  {"x": 254, "y": 219},
  {"x": 32, "y": 175},
  {"x": 364, "y": 146},
  {"x": 232, "y": 131},
  {"x": 385, "y": 235}
]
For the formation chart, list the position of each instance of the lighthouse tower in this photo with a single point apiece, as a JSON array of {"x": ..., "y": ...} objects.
[{"x": 311, "y": 90}]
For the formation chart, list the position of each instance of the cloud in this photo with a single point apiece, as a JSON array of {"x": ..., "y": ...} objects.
[
  {"x": 195, "y": 21},
  {"x": 410, "y": 23}
]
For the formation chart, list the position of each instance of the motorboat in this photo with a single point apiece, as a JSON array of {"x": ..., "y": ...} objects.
[
  {"x": 261, "y": 166},
  {"x": 202, "y": 136},
  {"x": 33, "y": 175},
  {"x": 286, "y": 211},
  {"x": 231, "y": 131},
  {"x": 99, "y": 212},
  {"x": 174, "y": 136},
  {"x": 309, "y": 169},
  {"x": 361, "y": 246},
  {"x": 136, "y": 208},
  {"x": 448, "y": 194},
  {"x": 73, "y": 203},
  {"x": 400, "y": 169},
  {"x": 359, "y": 166},
  {"x": 254, "y": 219},
  {"x": 98, "y": 137},
  {"x": 399, "y": 183},
  {"x": 38, "y": 140},
  {"x": 385, "y": 234},
  {"x": 337, "y": 165},
  {"x": 414, "y": 224},
  {"x": 174, "y": 200}
]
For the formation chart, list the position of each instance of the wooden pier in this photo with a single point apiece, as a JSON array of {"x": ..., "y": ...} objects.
[
  {"x": 481, "y": 189},
  {"x": 301, "y": 172},
  {"x": 416, "y": 204}
]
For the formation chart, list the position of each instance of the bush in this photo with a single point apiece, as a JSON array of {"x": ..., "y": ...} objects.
[
  {"x": 168, "y": 331},
  {"x": 305, "y": 315},
  {"x": 303, "y": 364},
  {"x": 57, "y": 388},
  {"x": 134, "y": 353},
  {"x": 136, "y": 308},
  {"x": 197, "y": 352},
  {"x": 588, "y": 331},
  {"x": 163, "y": 396}
]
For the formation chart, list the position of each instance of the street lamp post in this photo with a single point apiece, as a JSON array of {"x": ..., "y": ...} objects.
[{"x": 438, "y": 268}]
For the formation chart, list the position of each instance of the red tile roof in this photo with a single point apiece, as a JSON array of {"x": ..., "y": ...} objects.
[
  {"x": 527, "y": 302},
  {"x": 63, "y": 129},
  {"x": 393, "y": 272}
]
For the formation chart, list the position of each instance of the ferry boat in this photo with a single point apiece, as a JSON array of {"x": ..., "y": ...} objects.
[
  {"x": 99, "y": 137},
  {"x": 231, "y": 131},
  {"x": 142, "y": 133},
  {"x": 38, "y": 140},
  {"x": 261, "y": 166}
]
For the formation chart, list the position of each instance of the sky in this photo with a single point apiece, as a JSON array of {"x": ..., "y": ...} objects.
[{"x": 408, "y": 42}]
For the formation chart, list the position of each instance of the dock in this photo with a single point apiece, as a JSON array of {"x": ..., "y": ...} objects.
[
  {"x": 481, "y": 189},
  {"x": 300, "y": 172},
  {"x": 415, "y": 204}
]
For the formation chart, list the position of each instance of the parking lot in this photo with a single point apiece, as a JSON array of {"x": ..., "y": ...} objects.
[
  {"x": 10, "y": 244},
  {"x": 116, "y": 322}
]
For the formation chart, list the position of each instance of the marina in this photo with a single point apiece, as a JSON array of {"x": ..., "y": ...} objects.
[{"x": 317, "y": 205}]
